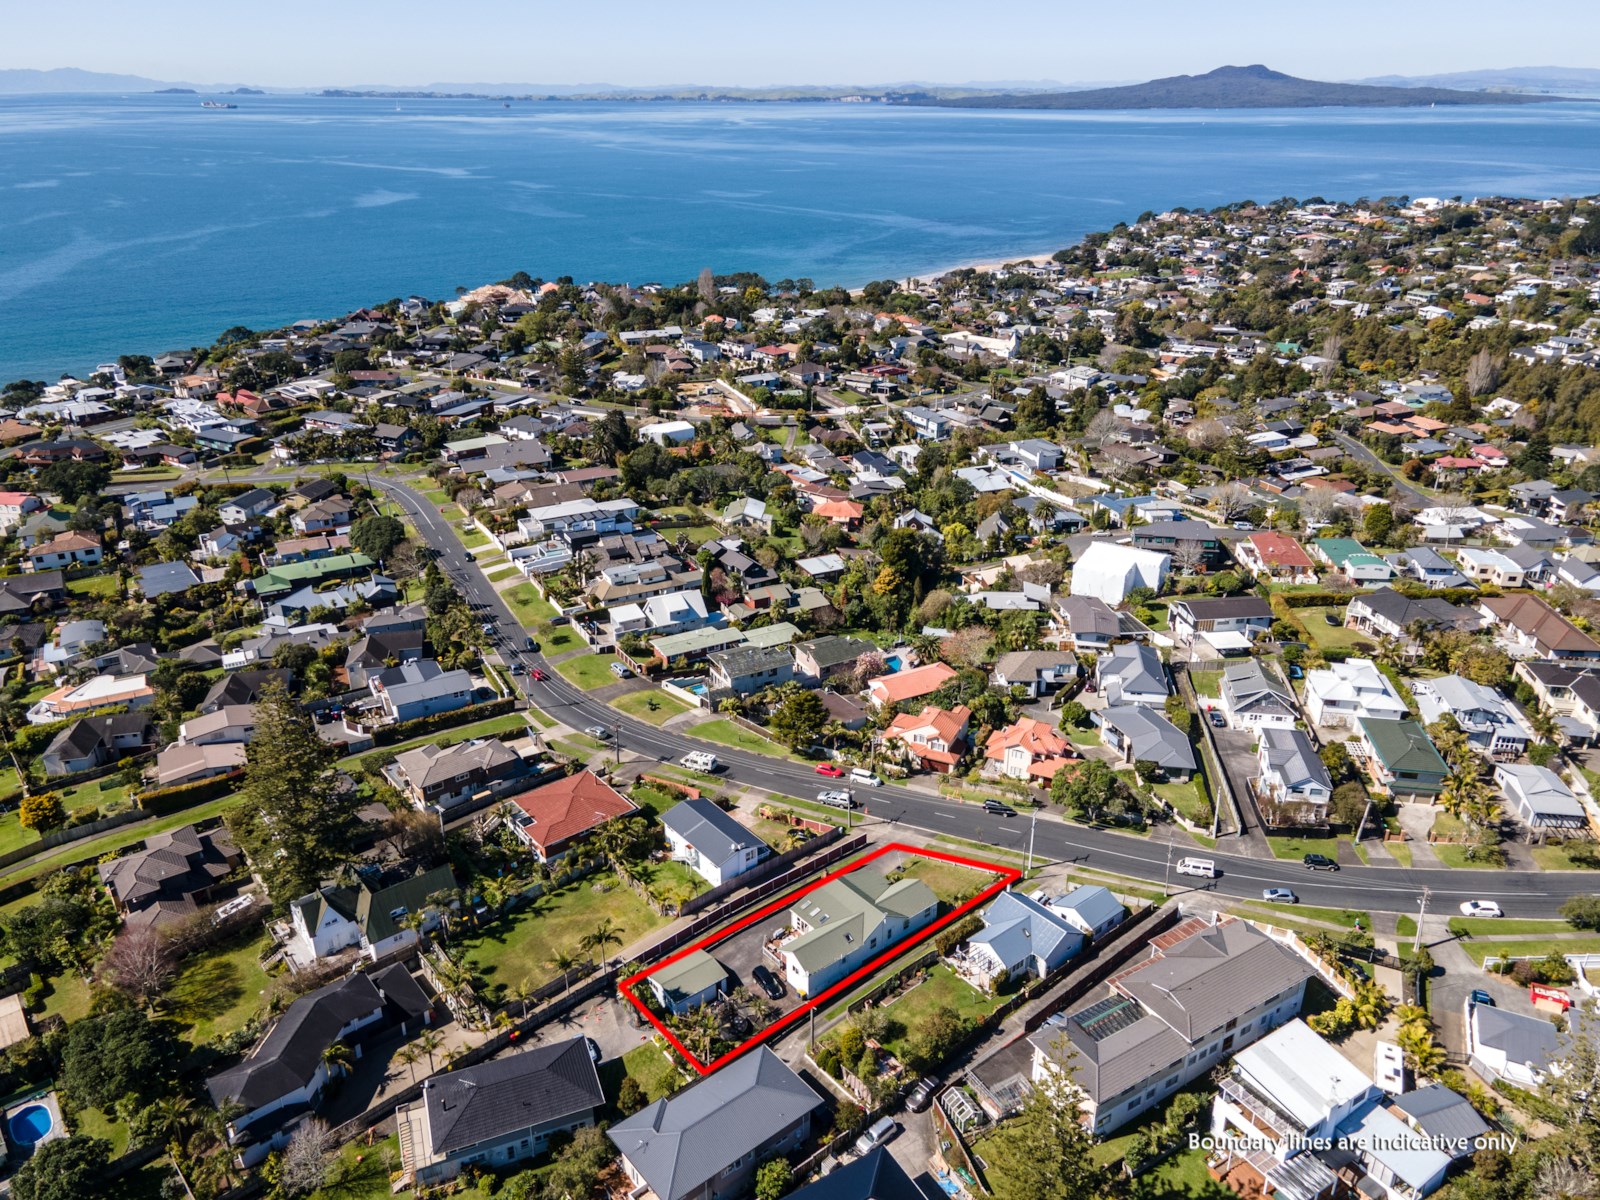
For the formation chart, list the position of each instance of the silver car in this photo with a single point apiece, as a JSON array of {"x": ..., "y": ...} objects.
[{"x": 1279, "y": 896}]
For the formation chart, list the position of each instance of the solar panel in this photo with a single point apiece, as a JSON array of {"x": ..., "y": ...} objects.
[{"x": 1105, "y": 1017}]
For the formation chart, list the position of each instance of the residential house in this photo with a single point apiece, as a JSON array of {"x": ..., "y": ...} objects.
[
  {"x": 747, "y": 669},
  {"x": 1275, "y": 556},
  {"x": 100, "y": 691},
  {"x": 1088, "y": 622},
  {"x": 175, "y": 874},
  {"x": 95, "y": 741},
  {"x": 15, "y": 506},
  {"x": 376, "y": 652},
  {"x": 1352, "y": 560},
  {"x": 704, "y": 1142},
  {"x": 1037, "y": 672},
  {"x": 1344, "y": 692},
  {"x": 241, "y": 687},
  {"x": 1109, "y": 572},
  {"x": 873, "y": 1176},
  {"x": 246, "y": 506},
  {"x": 1191, "y": 545},
  {"x": 710, "y": 842},
  {"x": 69, "y": 549},
  {"x": 1205, "y": 990},
  {"x": 1132, "y": 673},
  {"x": 935, "y": 738},
  {"x": 1443, "y": 1118},
  {"x": 911, "y": 684},
  {"x": 1507, "y": 1047},
  {"x": 166, "y": 579},
  {"x": 1142, "y": 735},
  {"x": 332, "y": 515},
  {"x": 502, "y": 1111},
  {"x": 1491, "y": 724},
  {"x": 1386, "y": 613},
  {"x": 336, "y": 917},
  {"x": 1227, "y": 624},
  {"x": 231, "y": 723},
  {"x": 1253, "y": 698},
  {"x": 1528, "y": 622},
  {"x": 1089, "y": 908},
  {"x": 1428, "y": 567},
  {"x": 1292, "y": 785},
  {"x": 683, "y": 984},
  {"x": 1400, "y": 756},
  {"x": 1513, "y": 567},
  {"x": 1028, "y": 749},
  {"x": 21, "y": 595},
  {"x": 179, "y": 763},
  {"x": 847, "y": 923},
  {"x": 552, "y": 816},
  {"x": 1021, "y": 937},
  {"x": 444, "y": 778},
  {"x": 420, "y": 689},
  {"x": 1539, "y": 799}
]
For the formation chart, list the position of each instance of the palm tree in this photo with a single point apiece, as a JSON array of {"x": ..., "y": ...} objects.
[
  {"x": 428, "y": 1044},
  {"x": 407, "y": 1056},
  {"x": 338, "y": 1058},
  {"x": 172, "y": 1116},
  {"x": 560, "y": 960},
  {"x": 605, "y": 935}
]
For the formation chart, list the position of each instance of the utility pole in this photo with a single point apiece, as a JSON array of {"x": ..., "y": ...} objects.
[
  {"x": 1166, "y": 879},
  {"x": 1422, "y": 911},
  {"x": 1033, "y": 823}
]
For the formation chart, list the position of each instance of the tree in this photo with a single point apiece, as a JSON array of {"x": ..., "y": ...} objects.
[
  {"x": 66, "y": 1169},
  {"x": 377, "y": 536},
  {"x": 72, "y": 481},
  {"x": 577, "y": 1167},
  {"x": 42, "y": 812},
  {"x": 1582, "y": 912},
  {"x": 1087, "y": 788},
  {"x": 1378, "y": 524},
  {"x": 295, "y": 814},
  {"x": 1232, "y": 501},
  {"x": 140, "y": 962},
  {"x": 1318, "y": 506},
  {"x": 123, "y": 1053},
  {"x": 773, "y": 1178},
  {"x": 799, "y": 720},
  {"x": 604, "y": 936},
  {"x": 304, "y": 1165},
  {"x": 935, "y": 1036},
  {"x": 1074, "y": 715},
  {"x": 630, "y": 1096},
  {"x": 1044, "y": 1153}
]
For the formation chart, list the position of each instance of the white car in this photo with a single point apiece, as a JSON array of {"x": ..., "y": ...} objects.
[
  {"x": 1480, "y": 908},
  {"x": 1279, "y": 896}
]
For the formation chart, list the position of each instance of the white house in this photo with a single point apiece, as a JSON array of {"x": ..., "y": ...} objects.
[
  {"x": 1343, "y": 692},
  {"x": 337, "y": 918},
  {"x": 709, "y": 841},
  {"x": 1132, "y": 674},
  {"x": 1109, "y": 572},
  {"x": 1540, "y": 800},
  {"x": 848, "y": 922},
  {"x": 1291, "y": 779},
  {"x": 1254, "y": 699},
  {"x": 1090, "y": 909},
  {"x": 667, "y": 433},
  {"x": 1020, "y": 936},
  {"x": 1504, "y": 1045}
]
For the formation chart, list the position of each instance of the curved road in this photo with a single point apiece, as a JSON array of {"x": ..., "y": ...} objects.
[{"x": 1521, "y": 893}]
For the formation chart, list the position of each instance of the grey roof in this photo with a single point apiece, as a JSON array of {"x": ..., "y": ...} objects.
[
  {"x": 679, "y": 1143},
  {"x": 742, "y": 660},
  {"x": 1429, "y": 610},
  {"x": 1088, "y": 616},
  {"x": 1227, "y": 608},
  {"x": 1438, "y": 1112},
  {"x": 160, "y": 578},
  {"x": 1016, "y": 927},
  {"x": 1094, "y": 904},
  {"x": 1153, "y": 737},
  {"x": 505, "y": 1095},
  {"x": 688, "y": 976},
  {"x": 874, "y": 1176},
  {"x": 1290, "y": 755},
  {"x": 708, "y": 829},
  {"x": 835, "y": 651},
  {"x": 845, "y": 913},
  {"x": 1247, "y": 687},
  {"x": 1021, "y": 665},
  {"x": 430, "y": 764},
  {"x": 1136, "y": 665}
]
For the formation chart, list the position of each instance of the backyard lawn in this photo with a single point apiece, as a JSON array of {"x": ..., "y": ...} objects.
[
  {"x": 942, "y": 988},
  {"x": 948, "y": 881},
  {"x": 652, "y": 1070},
  {"x": 588, "y": 671},
  {"x": 101, "y": 587},
  {"x": 727, "y": 733},
  {"x": 1530, "y": 947},
  {"x": 519, "y": 947},
  {"x": 1207, "y": 683},
  {"x": 654, "y": 800},
  {"x": 1191, "y": 799},
  {"x": 654, "y": 706},
  {"x": 219, "y": 991},
  {"x": 1331, "y": 637}
]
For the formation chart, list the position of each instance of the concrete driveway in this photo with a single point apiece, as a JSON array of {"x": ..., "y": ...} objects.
[{"x": 742, "y": 953}]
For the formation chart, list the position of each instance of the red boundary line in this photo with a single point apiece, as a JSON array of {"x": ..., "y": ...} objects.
[{"x": 1009, "y": 875}]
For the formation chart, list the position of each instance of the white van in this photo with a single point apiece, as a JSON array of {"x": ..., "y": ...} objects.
[
  {"x": 880, "y": 1132},
  {"x": 699, "y": 760},
  {"x": 1202, "y": 867},
  {"x": 864, "y": 778}
]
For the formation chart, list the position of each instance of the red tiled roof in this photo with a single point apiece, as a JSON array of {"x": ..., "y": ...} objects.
[
  {"x": 1034, "y": 736},
  {"x": 569, "y": 807},
  {"x": 908, "y": 685},
  {"x": 1280, "y": 550}
]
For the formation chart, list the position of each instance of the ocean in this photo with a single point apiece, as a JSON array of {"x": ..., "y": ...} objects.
[{"x": 145, "y": 223}]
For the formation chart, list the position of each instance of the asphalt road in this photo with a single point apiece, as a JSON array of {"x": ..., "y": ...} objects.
[
  {"x": 1357, "y": 450},
  {"x": 1393, "y": 889}
]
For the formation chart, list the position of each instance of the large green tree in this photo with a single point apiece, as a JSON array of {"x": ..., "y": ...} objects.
[
  {"x": 799, "y": 720},
  {"x": 72, "y": 481},
  {"x": 123, "y": 1053},
  {"x": 1044, "y": 1152},
  {"x": 296, "y": 813},
  {"x": 377, "y": 536},
  {"x": 67, "y": 1169}
]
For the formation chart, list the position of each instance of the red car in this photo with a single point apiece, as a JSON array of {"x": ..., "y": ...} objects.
[
  {"x": 538, "y": 674},
  {"x": 831, "y": 771}
]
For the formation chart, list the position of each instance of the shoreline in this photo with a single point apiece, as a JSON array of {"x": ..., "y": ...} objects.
[{"x": 989, "y": 264}]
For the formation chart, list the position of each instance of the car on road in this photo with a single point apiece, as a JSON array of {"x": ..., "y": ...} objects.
[
  {"x": 1319, "y": 862},
  {"x": 1244, "y": 526},
  {"x": 998, "y": 809},
  {"x": 538, "y": 674},
  {"x": 518, "y": 669},
  {"x": 831, "y": 771},
  {"x": 836, "y": 798},
  {"x": 880, "y": 1132},
  {"x": 620, "y": 671},
  {"x": 922, "y": 1095},
  {"x": 533, "y": 646},
  {"x": 599, "y": 731},
  {"x": 1479, "y": 996},
  {"x": 1481, "y": 908},
  {"x": 1217, "y": 719},
  {"x": 768, "y": 982},
  {"x": 469, "y": 556},
  {"x": 489, "y": 629},
  {"x": 864, "y": 778},
  {"x": 1279, "y": 896},
  {"x": 594, "y": 1049}
]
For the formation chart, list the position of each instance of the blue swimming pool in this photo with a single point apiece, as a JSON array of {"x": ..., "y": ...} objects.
[
  {"x": 30, "y": 1124},
  {"x": 894, "y": 662}
]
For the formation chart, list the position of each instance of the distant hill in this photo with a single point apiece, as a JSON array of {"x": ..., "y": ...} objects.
[
  {"x": 1558, "y": 81},
  {"x": 71, "y": 79},
  {"x": 1242, "y": 87}
]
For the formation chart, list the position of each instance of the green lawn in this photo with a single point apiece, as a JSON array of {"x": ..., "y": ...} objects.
[
  {"x": 505, "y": 571},
  {"x": 1401, "y": 852},
  {"x": 942, "y": 988},
  {"x": 1405, "y": 927},
  {"x": 519, "y": 947},
  {"x": 472, "y": 538},
  {"x": 1298, "y": 847},
  {"x": 653, "y": 706},
  {"x": 725, "y": 732},
  {"x": 1345, "y": 918},
  {"x": 1530, "y": 948},
  {"x": 654, "y": 799},
  {"x": 1576, "y": 856},
  {"x": 1191, "y": 799},
  {"x": 1207, "y": 683},
  {"x": 650, "y": 1067},
  {"x": 588, "y": 671},
  {"x": 949, "y": 881},
  {"x": 219, "y": 991},
  {"x": 1332, "y": 637},
  {"x": 666, "y": 879},
  {"x": 1494, "y": 927},
  {"x": 1456, "y": 856},
  {"x": 101, "y": 587},
  {"x": 91, "y": 1122},
  {"x": 68, "y": 997},
  {"x": 527, "y": 605}
]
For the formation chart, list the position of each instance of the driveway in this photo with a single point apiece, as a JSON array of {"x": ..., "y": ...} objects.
[
  {"x": 1239, "y": 765},
  {"x": 1455, "y": 980},
  {"x": 741, "y": 954}
]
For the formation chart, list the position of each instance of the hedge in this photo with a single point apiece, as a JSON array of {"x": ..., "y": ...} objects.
[
  {"x": 186, "y": 795},
  {"x": 404, "y": 731},
  {"x": 1283, "y": 611},
  {"x": 1313, "y": 599}
]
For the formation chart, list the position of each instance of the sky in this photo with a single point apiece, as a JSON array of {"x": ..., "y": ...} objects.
[{"x": 305, "y": 43}]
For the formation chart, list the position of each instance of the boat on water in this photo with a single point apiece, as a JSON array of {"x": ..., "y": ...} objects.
[{"x": 216, "y": 104}]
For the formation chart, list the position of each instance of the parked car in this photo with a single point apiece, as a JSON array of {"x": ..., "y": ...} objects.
[
  {"x": 594, "y": 1049},
  {"x": 831, "y": 771},
  {"x": 620, "y": 671},
  {"x": 469, "y": 556},
  {"x": 768, "y": 982},
  {"x": 922, "y": 1095},
  {"x": 1319, "y": 862},
  {"x": 1217, "y": 719},
  {"x": 999, "y": 809},
  {"x": 836, "y": 799},
  {"x": 1479, "y": 996},
  {"x": 880, "y": 1132},
  {"x": 1279, "y": 896},
  {"x": 1244, "y": 526},
  {"x": 1481, "y": 908}
]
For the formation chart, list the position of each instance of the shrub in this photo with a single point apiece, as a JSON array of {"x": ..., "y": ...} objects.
[{"x": 828, "y": 1060}]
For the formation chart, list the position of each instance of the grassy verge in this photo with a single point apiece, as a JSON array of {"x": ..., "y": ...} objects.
[
  {"x": 1497, "y": 927},
  {"x": 527, "y": 605},
  {"x": 1531, "y": 948},
  {"x": 1564, "y": 858},
  {"x": 726, "y": 733},
  {"x": 1457, "y": 857},
  {"x": 653, "y": 706},
  {"x": 588, "y": 671},
  {"x": 1401, "y": 852},
  {"x": 1344, "y": 918}
]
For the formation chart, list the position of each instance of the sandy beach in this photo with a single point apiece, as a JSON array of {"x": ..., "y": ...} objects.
[{"x": 990, "y": 264}]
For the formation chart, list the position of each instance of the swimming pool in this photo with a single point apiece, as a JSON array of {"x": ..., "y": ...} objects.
[
  {"x": 894, "y": 662},
  {"x": 29, "y": 1124}
]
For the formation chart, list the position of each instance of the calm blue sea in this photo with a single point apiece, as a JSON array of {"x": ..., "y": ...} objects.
[{"x": 145, "y": 223}]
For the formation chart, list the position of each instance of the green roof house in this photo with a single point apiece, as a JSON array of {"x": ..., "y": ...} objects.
[
  {"x": 335, "y": 918},
  {"x": 1355, "y": 561},
  {"x": 288, "y": 576},
  {"x": 1401, "y": 757},
  {"x": 847, "y": 923},
  {"x": 688, "y": 983}
]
